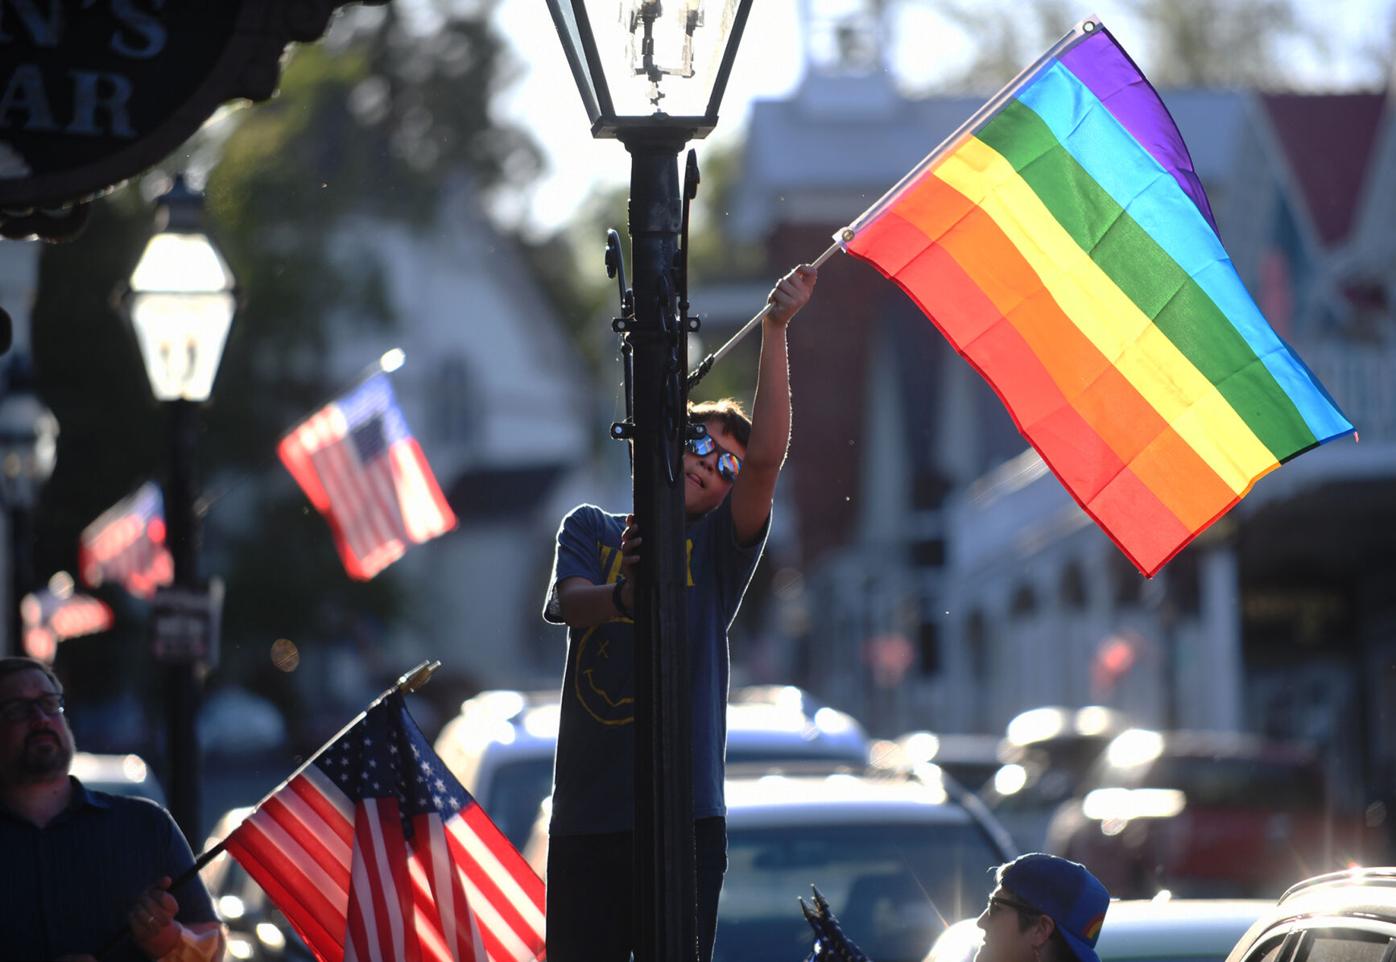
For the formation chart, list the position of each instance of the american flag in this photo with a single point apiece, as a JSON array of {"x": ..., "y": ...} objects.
[
  {"x": 52, "y": 615},
  {"x": 363, "y": 470},
  {"x": 374, "y": 851},
  {"x": 126, "y": 545}
]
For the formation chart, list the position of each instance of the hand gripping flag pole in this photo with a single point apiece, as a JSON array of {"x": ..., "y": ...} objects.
[
  {"x": 406, "y": 683},
  {"x": 706, "y": 365}
]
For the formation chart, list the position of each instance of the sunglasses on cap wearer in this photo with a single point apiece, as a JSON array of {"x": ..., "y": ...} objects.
[
  {"x": 728, "y": 464},
  {"x": 999, "y": 901}
]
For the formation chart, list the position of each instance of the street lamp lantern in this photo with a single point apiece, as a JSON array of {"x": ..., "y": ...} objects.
[
  {"x": 28, "y": 445},
  {"x": 28, "y": 453},
  {"x": 181, "y": 301},
  {"x": 647, "y": 64}
]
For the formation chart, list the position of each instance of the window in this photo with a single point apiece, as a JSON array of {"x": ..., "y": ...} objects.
[
  {"x": 1345, "y": 945},
  {"x": 455, "y": 411}
]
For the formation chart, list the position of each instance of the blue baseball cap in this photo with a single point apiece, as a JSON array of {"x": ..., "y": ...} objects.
[{"x": 1064, "y": 891}]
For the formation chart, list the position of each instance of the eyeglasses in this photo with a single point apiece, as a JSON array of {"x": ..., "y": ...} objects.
[
  {"x": 18, "y": 709},
  {"x": 995, "y": 901},
  {"x": 728, "y": 464}
]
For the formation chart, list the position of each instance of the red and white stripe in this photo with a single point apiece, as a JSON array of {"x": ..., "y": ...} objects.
[{"x": 354, "y": 890}]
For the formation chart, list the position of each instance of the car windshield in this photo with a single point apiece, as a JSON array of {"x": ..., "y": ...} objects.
[
  {"x": 516, "y": 790},
  {"x": 894, "y": 887}
]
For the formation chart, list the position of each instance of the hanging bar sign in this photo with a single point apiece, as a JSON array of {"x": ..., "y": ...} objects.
[{"x": 93, "y": 92}]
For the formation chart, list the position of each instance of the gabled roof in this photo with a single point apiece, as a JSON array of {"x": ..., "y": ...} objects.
[{"x": 1328, "y": 140}]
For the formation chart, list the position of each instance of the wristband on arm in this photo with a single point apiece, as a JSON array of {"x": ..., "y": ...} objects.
[{"x": 618, "y": 600}]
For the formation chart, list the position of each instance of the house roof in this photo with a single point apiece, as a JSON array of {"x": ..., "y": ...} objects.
[{"x": 1328, "y": 140}]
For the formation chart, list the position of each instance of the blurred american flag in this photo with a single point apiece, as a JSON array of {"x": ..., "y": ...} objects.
[
  {"x": 363, "y": 470},
  {"x": 126, "y": 545}
]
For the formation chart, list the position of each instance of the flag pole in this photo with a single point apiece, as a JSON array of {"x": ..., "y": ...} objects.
[
  {"x": 406, "y": 683},
  {"x": 1077, "y": 33},
  {"x": 698, "y": 373}
]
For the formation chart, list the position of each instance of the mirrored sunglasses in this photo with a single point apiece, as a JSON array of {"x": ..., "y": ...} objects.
[{"x": 728, "y": 464}]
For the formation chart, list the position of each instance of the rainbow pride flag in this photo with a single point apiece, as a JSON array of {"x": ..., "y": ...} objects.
[{"x": 1063, "y": 243}]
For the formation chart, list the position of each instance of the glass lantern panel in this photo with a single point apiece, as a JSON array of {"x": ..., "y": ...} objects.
[
  {"x": 661, "y": 56},
  {"x": 181, "y": 263},
  {"x": 181, "y": 338}
]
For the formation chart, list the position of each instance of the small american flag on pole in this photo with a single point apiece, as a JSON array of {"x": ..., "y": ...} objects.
[
  {"x": 374, "y": 851},
  {"x": 363, "y": 470}
]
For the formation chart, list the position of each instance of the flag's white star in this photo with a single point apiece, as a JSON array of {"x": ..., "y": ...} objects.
[{"x": 440, "y": 785}]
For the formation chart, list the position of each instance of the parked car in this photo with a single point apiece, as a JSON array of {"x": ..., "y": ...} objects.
[
  {"x": 501, "y": 744},
  {"x": 1200, "y": 813},
  {"x": 1045, "y": 753},
  {"x": 1141, "y": 930},
  {"x": 1345, "y": 916},
  {"x": 500, "y": 747},
  {"x": 894, "y": 853},
  {"x": 972, "y": 760},
  {"x": 117, "y": 775}
]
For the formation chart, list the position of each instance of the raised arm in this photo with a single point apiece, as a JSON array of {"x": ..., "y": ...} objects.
[{"x": 755, "y": 487}]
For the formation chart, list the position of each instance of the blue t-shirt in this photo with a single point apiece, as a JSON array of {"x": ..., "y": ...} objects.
[
  {"x": 66, "y": 888},
  {"x": 593, "y": 774}
]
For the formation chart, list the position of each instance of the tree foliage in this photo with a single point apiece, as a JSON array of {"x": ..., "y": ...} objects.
[
  {"x": 371, "y": 124},
  {"x": 1202, "y": 43}
]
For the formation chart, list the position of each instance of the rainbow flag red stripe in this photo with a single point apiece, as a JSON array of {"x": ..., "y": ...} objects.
[{"x": 1064, "y": 245}]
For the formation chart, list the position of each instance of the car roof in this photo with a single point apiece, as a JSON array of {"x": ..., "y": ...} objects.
[
  {"x": 1160, "y": 928},
  {"x": 116, "y": 775},
  {"x": 527, "y": 723},
  {"x": 809, "y": 798},
  {"x": 1364, "y": 898}
]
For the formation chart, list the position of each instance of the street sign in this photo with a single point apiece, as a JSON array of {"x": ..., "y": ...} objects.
[
  {"x": 93, "y": 92},
  {"x": 184, "y": 624}
]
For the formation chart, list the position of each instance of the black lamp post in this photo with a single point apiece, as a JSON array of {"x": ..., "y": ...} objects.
[
  {"x": 28, "y": 451},
  {"x": 181, "y": 305},
  {"x": 676, "y": 56}
]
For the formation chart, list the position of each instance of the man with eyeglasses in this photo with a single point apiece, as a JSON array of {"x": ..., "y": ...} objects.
[
  {"x": 79, "y": 866},
  {"x": 729, "y": 484}
]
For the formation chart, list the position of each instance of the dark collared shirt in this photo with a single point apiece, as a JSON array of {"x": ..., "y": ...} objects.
[{"x": 67, "y": 887}]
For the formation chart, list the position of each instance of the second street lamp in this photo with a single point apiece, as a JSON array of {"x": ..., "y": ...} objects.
[
  {"x": 653, "y": 77},
  {"x": 28, "y": 451},
  {"x": 181, "y": 306}
]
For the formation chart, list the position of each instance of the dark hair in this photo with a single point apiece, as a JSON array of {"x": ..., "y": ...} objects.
[
  {"x": 1058, "y": 950},
  {"x": 14, "y": 665},
  {"x": 728, "y": 412}
]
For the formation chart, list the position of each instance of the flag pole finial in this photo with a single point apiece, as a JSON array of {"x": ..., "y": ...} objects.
[{"x": 417, "y": 677}]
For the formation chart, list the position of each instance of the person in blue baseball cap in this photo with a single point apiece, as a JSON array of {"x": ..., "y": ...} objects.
[{"x": 1043, "y": 909}]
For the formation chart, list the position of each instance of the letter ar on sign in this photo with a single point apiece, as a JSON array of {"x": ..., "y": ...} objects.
[{"x": 85, "y": 103}]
